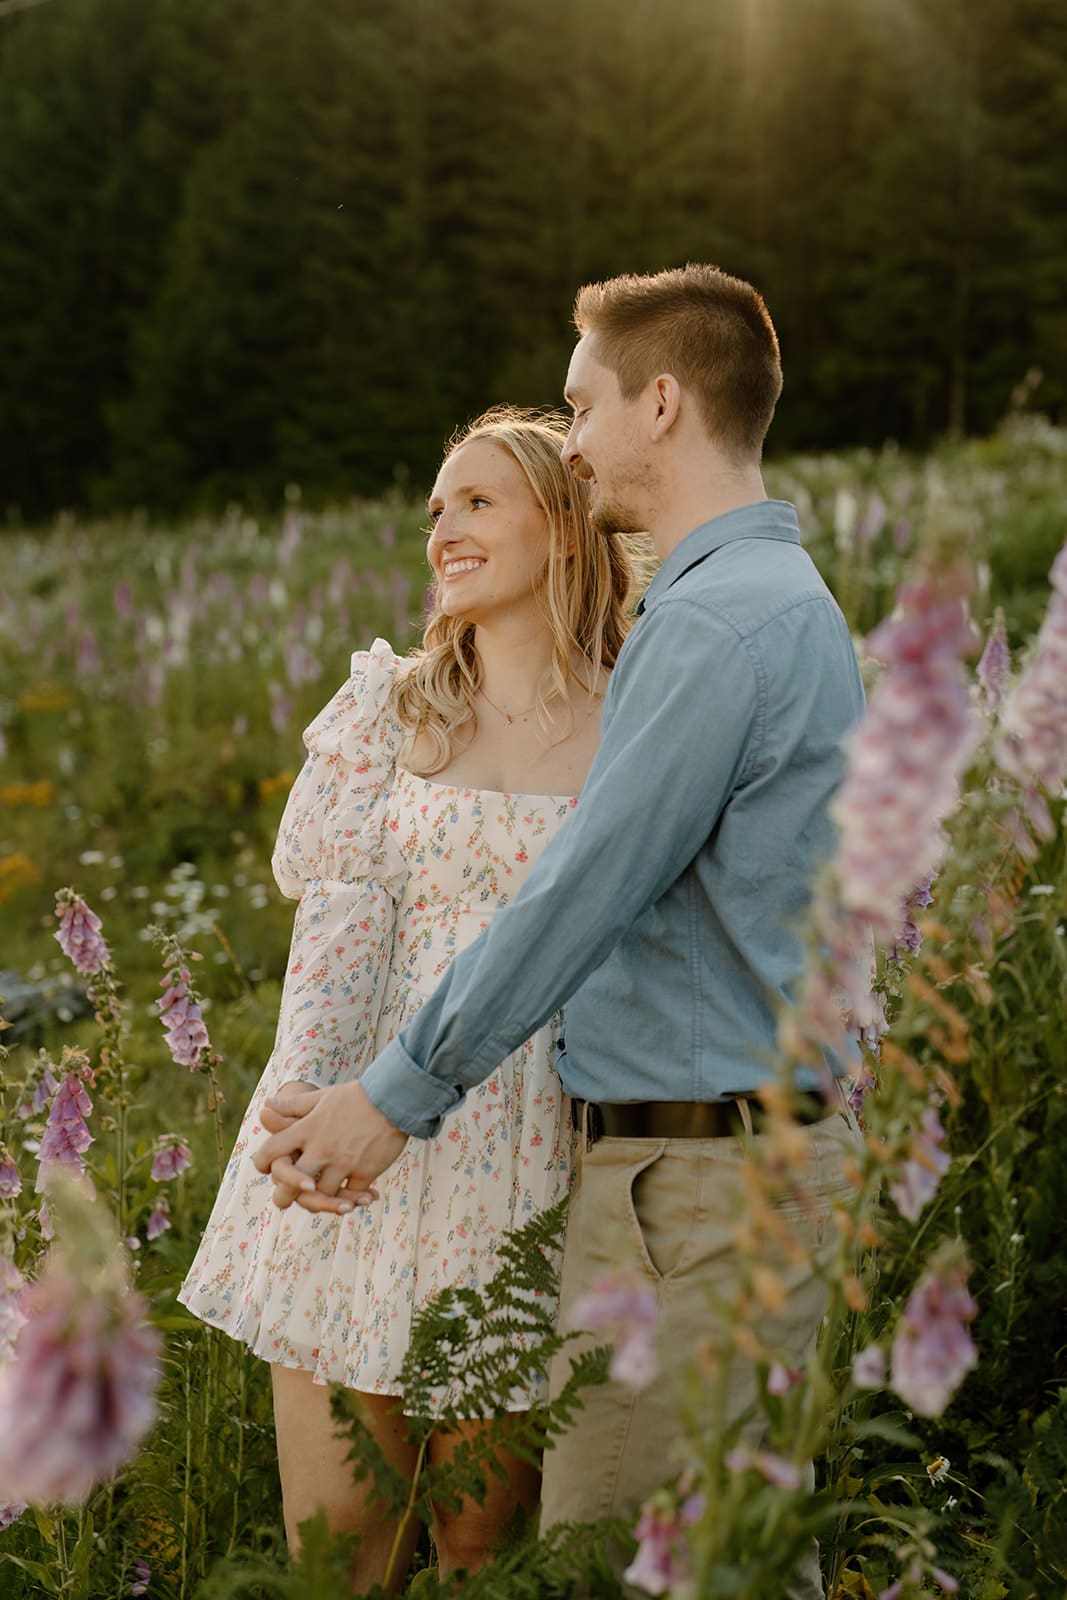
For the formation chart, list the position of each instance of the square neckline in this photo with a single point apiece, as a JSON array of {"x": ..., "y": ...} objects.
[{"x": 499, "y": 794}]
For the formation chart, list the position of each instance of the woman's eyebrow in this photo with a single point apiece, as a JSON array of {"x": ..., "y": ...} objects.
[{"x": 464, "y": 488}]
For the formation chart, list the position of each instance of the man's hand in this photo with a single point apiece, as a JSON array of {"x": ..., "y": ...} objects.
[{"x": 327, "y": 1147}]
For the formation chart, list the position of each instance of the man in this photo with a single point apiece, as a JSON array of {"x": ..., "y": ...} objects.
[{"x": 666, "y": 913}]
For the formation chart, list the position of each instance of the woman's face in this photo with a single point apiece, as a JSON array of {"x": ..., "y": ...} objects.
[{"x": 490, "y": 539}]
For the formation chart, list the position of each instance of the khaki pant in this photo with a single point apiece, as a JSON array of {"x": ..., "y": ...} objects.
[{"x": 667, "y": 1208}]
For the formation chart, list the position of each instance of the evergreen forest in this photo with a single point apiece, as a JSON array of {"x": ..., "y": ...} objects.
[{"x": 246, "y": 244}]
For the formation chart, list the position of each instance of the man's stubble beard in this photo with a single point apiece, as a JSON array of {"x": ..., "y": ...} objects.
[
  {"x": 620, "y": 514},
  {"x": 612, "y": 517}
]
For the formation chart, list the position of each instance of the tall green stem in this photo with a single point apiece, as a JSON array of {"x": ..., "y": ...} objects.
[{"x": 407, "y": 1513}]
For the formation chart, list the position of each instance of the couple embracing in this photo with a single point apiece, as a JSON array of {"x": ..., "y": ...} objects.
[{"x": 550, "y": 870}]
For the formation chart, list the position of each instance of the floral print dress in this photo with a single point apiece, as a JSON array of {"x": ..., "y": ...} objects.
[{"x": 394, "y": 874}]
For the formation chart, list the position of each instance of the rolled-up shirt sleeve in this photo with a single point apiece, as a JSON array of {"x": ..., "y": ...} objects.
[{"x": 681, "y": 727}]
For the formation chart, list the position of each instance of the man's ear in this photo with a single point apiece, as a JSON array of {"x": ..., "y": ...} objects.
[{"x": 668, "y": 397}]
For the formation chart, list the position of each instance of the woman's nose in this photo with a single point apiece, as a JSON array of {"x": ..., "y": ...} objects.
[{"x": 441, "y": 533}]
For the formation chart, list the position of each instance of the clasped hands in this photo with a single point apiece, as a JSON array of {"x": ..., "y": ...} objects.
[{"x": 327, "y": 1146}]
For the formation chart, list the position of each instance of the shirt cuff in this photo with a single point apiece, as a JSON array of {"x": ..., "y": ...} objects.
[{"x": 412, "y": 1099}]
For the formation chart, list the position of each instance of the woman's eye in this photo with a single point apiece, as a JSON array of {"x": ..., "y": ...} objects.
[
  {"x": 435, "y": 514},
  {"x": 479, "y": 500}
]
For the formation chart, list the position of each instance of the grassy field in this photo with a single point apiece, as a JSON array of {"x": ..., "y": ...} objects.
[{"x": 155, "y": 682}]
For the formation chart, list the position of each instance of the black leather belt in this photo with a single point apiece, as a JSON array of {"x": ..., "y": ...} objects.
[{"x": 682, "y": 1119}]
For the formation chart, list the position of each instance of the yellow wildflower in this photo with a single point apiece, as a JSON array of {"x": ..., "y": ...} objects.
[
  {"x": 47, "y": 696},
  {"x": 17, "y": 872},
  {"x": 269, "y": 786},
  {"x": 41, "y": 793}
]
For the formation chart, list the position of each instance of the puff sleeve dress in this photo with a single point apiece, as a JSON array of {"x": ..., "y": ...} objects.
[{"x": 393, "y": 875}]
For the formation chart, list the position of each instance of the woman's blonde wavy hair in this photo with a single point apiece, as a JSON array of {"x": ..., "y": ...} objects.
[{"x": 585, "y": 589}]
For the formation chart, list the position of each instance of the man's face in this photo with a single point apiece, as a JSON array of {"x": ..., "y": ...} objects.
[{"x": 607, "y": 446}]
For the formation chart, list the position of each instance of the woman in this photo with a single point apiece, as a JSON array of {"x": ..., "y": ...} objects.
[{"x": 432, "y": 784}]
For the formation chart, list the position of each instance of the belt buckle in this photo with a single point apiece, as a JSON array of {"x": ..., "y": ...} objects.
[{"x": 587, "y": 1119}]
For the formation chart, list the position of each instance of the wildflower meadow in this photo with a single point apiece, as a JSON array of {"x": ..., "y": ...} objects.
[{"x": 155, "y": 682}]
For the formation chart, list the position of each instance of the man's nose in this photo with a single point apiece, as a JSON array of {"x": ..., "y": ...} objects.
[{"x": 570, "y": 455}]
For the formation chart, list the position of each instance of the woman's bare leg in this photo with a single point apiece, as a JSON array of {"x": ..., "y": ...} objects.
[
  {"x": 463, "y": 1537},
  {"x": 316, "y": 1476}
]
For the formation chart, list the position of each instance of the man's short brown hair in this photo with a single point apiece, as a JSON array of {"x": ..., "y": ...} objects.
[{"x": 710, "y": 331}]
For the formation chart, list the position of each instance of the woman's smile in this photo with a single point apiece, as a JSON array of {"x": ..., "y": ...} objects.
[{"x": 457, "y": 567}]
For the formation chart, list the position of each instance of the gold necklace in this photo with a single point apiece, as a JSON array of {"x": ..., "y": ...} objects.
[{"x": 508, "y": 716}]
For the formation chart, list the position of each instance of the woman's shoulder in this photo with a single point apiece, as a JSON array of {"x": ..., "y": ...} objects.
[{"x": 362, "y": 705}]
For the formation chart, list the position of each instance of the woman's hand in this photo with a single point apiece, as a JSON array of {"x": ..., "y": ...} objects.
[
  {"x": 335, "y": 1140},
  {"x": 279, "y": 1116}
]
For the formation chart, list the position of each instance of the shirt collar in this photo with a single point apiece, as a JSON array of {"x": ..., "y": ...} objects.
[{"x": 766, "y": 519}]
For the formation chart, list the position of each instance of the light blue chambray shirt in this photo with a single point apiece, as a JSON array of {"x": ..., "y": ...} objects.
[{"x": 665, "y": 912}]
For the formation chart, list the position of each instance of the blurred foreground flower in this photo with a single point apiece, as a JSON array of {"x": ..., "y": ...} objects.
[
  {"x": 933, "y": 1352},
  {"x": 906, "y": 757},
  {"x": 994, "y": 664},
  {"x": 776, "y": 1470},
  {"x": 78, "y": 1397},
  {"x": 919, "y": 1176},
  {"x": 868, "y": 1368},
  {"x": 662, "y": 1561},
  {"x": 11, "y": 1314},
  {"x": 1033, "y": 746},
  {"x": 630, "y": 1313},
  {"x": 905, "y": 762},
  {"x": 79, "y": 934}
]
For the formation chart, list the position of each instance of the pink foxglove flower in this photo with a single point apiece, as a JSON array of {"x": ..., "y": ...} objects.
[
  {"x": 183, "y": 1022},
  {"x": 10, "y": 1182},
  {"x": 868, "y": 1368},
  {"x": 171, "y": 1158},
  {"x": 629, "y": 1312},
  {"x": 781, "y": 1379},
  {"x": 79, "y": 1395},
  {"x": 42, "y": 1092},
  {"x": 777, "y": 1470},
  {"x": 994, "y": 664},
  {"x": 79, "y": 934},
  {"x": 66, "y": 1135},
  {"x": 933, "y": 1351},
  {"x": 1033, "y": 719},
  {"x": 907, "y": 756},
  {"x": 159, "y": 1220},
  {"x": 662, "y": 1561},
  {"x": 909, "y": 940},
  {"x": 11, "y": 1314},
  {"x": 10, "y": 1511},
  {"x": 859, "y": 1087},
  {"x": 905, "y": 760},
  {"x": 920, "y": 1175},
  {"x": 140, "y": 1577}
]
